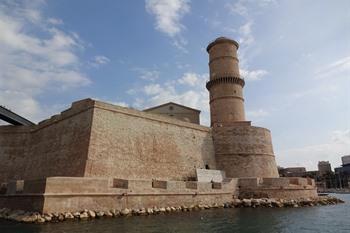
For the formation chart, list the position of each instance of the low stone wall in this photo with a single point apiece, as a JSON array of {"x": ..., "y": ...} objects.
[
  {"x": 283, "y": 187},
  {"x": 62, "y": 194},
  {"x": 59, "y": 194}
]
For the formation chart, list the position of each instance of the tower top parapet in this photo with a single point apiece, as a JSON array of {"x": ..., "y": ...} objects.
[{"x": 220, "y": 40}]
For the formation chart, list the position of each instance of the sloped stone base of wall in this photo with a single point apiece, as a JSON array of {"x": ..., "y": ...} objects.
[
  {"x": 62, "y": 194},
  {"x": 75, "y": 194},
  {"x": 282, "y": 187}
]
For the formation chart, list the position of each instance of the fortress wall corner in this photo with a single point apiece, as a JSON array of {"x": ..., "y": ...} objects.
[{"x": 55, "y": 147}]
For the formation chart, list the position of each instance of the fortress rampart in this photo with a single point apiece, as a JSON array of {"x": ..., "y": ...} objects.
[
  {"x": 55, "y": 147},
  {"x": 96, "y": 139},
  {"x": 133, "y": 144},
  {"x": 62, "y": 194},
  {"x": 99, "y": 156}
]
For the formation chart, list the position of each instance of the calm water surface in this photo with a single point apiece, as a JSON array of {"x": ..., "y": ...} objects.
[{"x": 294, "y": 220}]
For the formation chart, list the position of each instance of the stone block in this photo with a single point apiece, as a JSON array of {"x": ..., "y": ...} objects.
[
  {"x": 191, "y": 185},
  {"x": 159, "y": 184},
  {"x": 294, "y": 181},
  {"x": 302, "y": 181},
  {"x": 230, "y": 184},
  {"x": 3, "y": 188},
  {"x": 34, "y": 186},
  {"x": 15, "y": 186},
  {"x": 248, "y": 182},
  {"x": 76, "y": 185},
  {"x": 204, "y": 186},
  {"x": 140, "y": 185},
  {"x": 217, "y": 185},
  {"x": 276, "y": 182},
  {"x": 176, "y": 186},
  {"x": 206, "y": 175},
  {"x": 120, "y": 183},
  {"x": 310, "y": 181}
]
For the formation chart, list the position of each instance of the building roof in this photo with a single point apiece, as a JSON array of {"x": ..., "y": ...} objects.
[
  {"x": 220, "y": 40},
  {"x": 169, "y": 103}
]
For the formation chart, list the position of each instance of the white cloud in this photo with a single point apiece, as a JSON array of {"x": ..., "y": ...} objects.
[
  {"x": 253, "y": 75},
  {"x": 149, "y": 75},
  {"x": 182, "y": 91},
  {"x": 55, "y": 21},
  {"x": 168, "y": 15},
  {"x": 257, "y": 114},
  {"x": 192, "y": 79},
  {"x": 120, "y": 103},
  {"x": 338, "y": 145},
  {"x": 323, "y": 91},
  {"x": 238, "y": 8},
  {"x": 339, "y": 68},
  {"x": 246, "y": 34},
  {"x": 153, "y": 89},
  {"x": 246, "y": 8},
  {"x": 34, "y": 63},
  {"x": 99, "y": 60}
]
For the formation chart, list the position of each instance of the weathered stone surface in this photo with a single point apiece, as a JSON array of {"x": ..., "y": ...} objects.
[
  {"x": 109, "y": 214},
  {"x": 68, "y": 215},
  {"x": 100, "y": 214},
  {"x": 125, "y": 212},
  {"x": 40, "y": 220},
  {"x": 91, "y": 213},
  {"x": 84, "y": 216},
  {"x": 206, "y": 175}
]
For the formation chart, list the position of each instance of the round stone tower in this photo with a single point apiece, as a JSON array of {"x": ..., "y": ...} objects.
[
  {"x": 225, "y": 85},
  {"x": 241, "y": 150}
]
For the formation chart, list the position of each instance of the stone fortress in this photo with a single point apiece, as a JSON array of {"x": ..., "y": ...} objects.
[{"x": 99, "y": 156}]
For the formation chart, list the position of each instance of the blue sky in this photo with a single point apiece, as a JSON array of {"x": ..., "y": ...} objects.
[{"x": 294, "y": 56}]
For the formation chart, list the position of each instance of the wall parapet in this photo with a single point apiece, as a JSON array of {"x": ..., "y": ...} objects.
[
  {"x": 279, "y": 183},
  {"x": 87, "y": 185},
  {"x": 148, "y": 116}
]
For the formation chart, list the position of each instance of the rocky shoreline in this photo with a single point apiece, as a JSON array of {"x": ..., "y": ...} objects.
[{"x": 35, "y": 217}]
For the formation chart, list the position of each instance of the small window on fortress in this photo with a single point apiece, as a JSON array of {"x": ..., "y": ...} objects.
[
  {"x": 207, "y": 166},
  {"x": 171, "y": 115},
  {"x": 171, "y": 108}
]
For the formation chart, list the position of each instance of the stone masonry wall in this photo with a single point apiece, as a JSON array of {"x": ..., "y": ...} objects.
[
  {"x": 244, "y": 151},
  {"x": 55, "y": 147},
  {"x": 131, "y": 144}
]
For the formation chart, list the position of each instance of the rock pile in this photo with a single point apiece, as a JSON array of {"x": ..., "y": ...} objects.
[{"x": 34, "y": 217}]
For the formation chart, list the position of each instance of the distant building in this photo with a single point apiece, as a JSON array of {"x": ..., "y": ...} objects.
[
  {"x": 292, "y": 171},
  {"x": 342, "y": 173},
  {"x": 177, "y": 111},
  {"x": 324, "y": 168},
  {"x": 345, "y": 160},
  {"x": 312, "y": 174}
]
